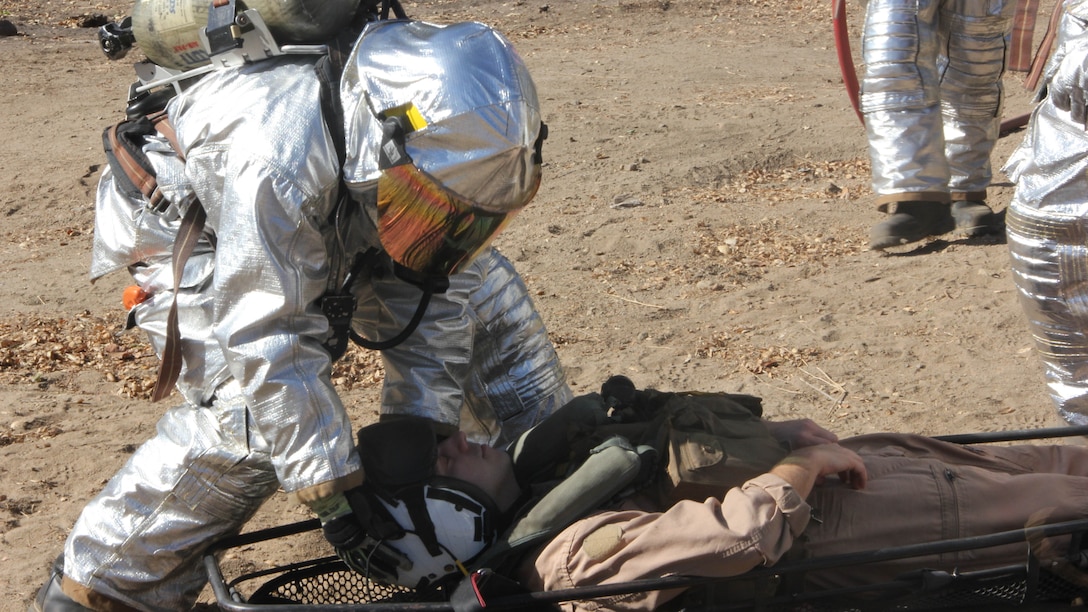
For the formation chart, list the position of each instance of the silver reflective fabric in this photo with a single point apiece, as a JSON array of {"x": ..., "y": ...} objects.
[
  {"x": 203, "y": 475},
  {"x": 931, "y": 93},
  {"x": 1047, "y": 228},
  {"x": 258, "y": 409},
  {"x": 463, "y": 79},
  {"x": 511, "y": 372}
]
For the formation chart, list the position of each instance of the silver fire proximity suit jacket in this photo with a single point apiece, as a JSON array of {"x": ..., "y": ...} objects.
[
  {"x": 1047, "y": 220},
  {"x": 259, "y": 410},
  {"x": 931, "y": 95}
]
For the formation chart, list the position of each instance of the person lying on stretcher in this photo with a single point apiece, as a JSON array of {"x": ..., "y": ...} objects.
[{"x": 458, "y": 505}]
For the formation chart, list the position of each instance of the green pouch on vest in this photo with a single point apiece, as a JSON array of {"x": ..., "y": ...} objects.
[{"x": 714, "y": 442}]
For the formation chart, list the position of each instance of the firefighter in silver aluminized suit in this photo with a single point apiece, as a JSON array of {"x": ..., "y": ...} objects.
[
  {"x": 1048, "y": 218},
  {"x": 258, "y": 410},
  {"x": 931, "y": 97}
]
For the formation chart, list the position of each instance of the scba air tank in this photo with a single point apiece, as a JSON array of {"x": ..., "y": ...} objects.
[{"x": 167, "y": 31}]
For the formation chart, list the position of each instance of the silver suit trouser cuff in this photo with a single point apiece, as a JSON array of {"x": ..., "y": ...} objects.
[{"x": 200, "y": 478}]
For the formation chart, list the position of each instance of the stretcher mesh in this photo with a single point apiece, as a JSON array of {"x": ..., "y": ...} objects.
[
  {"x": 318, "y": 584},
  {"x": 1014, "y": 587},
  {"x": 329, "y": 581},
  {"x": 1048, "y": 588}
]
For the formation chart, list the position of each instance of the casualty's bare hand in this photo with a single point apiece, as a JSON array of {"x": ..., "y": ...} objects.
[
  {"x": 800, "y": 433},
  {"x": 807, "y": 467},
  {"x": 832, "y": 459}
]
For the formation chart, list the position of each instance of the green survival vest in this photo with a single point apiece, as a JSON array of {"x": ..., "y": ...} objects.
[{"x": 601, "y": 448}]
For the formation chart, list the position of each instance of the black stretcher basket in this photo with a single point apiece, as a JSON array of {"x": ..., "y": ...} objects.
[{"x": 326, "y": 585}]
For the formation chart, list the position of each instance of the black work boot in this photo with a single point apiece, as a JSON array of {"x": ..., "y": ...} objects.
[
  {"x": 51, "y": 598},
  {"x": 911, "y": 222},
  {"x": 975, "y": 218}
]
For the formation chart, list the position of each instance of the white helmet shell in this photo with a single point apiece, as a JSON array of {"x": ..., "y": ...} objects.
[
  {"x": 167, "y": 31},
  {"x": 464, "y": 526}
]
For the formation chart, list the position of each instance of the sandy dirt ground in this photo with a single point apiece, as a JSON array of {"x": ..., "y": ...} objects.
[{"x": 702, "y": 225}]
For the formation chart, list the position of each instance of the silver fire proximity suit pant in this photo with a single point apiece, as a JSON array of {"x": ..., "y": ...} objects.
[
  {"x": 1047, "y": 226},
  {"x": 931, "y": 95}
]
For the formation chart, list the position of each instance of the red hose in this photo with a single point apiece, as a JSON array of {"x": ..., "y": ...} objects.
[
  {"x": 846, "y": 59},
  {"x": 1012, "y": 124}
]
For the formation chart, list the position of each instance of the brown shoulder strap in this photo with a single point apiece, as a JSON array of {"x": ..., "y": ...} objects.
[
  {"x": 192, "y": 224},
  {"x": 123, "y": 143},
  {"x": 162, "y": 124}
]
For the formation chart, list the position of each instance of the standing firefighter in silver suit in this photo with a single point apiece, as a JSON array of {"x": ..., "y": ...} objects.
[
  {"x": 931, "y": 98},
  {"x": 1048, "y": 218},
  {"x": 441, "y": 135}
]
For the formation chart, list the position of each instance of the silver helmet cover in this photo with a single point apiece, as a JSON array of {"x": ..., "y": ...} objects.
[{"x": 472, "y": 90}]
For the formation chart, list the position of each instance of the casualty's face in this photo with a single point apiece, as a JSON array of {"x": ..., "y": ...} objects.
[{"x": 488, "y": 468}]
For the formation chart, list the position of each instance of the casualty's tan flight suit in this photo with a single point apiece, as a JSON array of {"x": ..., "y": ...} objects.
[{"x": 919, "y": 490}]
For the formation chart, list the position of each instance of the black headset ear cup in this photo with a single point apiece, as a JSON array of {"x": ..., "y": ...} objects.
[
  {"x": 619, "y": 391},
  {"x": 398, "y": 452}
]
